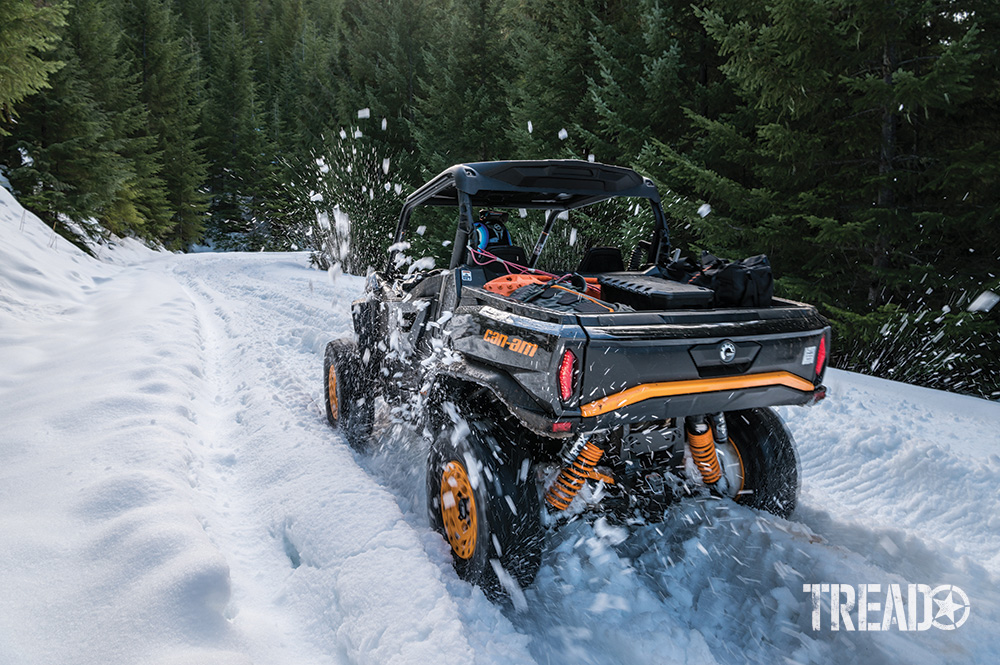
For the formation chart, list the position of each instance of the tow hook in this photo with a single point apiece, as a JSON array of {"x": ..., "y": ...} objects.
[{"x": 818, "y": 396}]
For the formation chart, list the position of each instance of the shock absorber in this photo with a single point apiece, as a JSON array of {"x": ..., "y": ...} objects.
[
  {"x": 702, "y": 442},
  {"x": 720, "y": 433},
  {"x": 580, "y": 461}
]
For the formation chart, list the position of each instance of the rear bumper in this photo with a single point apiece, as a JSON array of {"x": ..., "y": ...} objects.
[
  {"x": 616, "y": 412},
  {"x": 698, "y": 403},
  {"x": 666, "y": 390}
]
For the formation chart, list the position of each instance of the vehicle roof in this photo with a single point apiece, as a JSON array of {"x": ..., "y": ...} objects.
[{"x": 548, "y": 184}]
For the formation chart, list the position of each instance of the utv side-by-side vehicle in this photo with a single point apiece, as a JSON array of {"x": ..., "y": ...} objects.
[{"x": 616, "y": 386}]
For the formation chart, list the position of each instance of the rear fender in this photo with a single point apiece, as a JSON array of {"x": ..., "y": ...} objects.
[{"x": 496, "y": 390}]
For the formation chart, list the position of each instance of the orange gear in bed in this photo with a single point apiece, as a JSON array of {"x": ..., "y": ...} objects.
[{"x": 507, "y": 284}]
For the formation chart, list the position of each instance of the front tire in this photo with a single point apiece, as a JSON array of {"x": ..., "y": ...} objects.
[
  {"x": 350, "y": 405},
  {"x": 482, "y": 498},
  {"x": 760, "y": 463}
]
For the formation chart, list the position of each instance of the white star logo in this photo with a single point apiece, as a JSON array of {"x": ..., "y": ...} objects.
[{"x": 948, "y": 607}]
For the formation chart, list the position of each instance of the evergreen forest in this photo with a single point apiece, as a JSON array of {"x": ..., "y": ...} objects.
[{"x": 855, "y": 142}]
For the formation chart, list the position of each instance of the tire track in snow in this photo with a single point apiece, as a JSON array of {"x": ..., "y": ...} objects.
[
  {"x": 109, "y": 427},
  {"x": 314, "y": 541},
  {"x": 905, "y": 458}
]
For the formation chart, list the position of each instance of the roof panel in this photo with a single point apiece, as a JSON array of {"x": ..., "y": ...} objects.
[{"x": 549, "y": 184}]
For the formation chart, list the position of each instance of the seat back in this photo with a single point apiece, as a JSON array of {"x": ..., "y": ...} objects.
[
  {"x": 601, "y": 259},
  {"x": 510, "y": 253}
]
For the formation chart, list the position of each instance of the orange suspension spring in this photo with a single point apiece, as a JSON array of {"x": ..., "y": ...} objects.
[
  {"x": 574, "y": 475},
  {"x": 705, "y": 458}
]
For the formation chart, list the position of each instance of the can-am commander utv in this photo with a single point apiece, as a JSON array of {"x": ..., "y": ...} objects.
[{"x": 616, "y": 385}]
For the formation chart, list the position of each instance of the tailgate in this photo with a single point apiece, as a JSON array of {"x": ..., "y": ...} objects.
[{"x": 651, "y": 366}]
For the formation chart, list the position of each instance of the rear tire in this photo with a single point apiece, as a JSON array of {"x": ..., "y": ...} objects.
[
  {"x": 481, "y": 496},
  {"x": 767, "y": 458},
  {"x": 350, "y": 405}
]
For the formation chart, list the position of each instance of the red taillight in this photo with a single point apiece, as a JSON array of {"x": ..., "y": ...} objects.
[
  {"x": 821, "y": 356},
  {"x": 567, "y": 371},
  {"x": 562, "y": 427}
]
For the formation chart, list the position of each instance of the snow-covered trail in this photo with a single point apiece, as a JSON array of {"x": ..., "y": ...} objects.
[
  {"x": 170, "y": 492},
  {"x": 340, "y": 556}
]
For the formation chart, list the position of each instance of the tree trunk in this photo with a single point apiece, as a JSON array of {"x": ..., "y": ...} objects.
[{"x": 886, "y": 200}]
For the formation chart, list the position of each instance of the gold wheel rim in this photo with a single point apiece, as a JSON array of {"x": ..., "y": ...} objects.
[
  {"x": 731, "y": 448},
  {"x": 458, "y": 510},
  {"x": 332, "y": 391}
]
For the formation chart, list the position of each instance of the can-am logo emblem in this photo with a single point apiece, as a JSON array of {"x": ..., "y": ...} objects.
[{"x": 727, "y": 351}]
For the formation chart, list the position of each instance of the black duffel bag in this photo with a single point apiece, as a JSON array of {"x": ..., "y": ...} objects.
[{"x": 744, "y": 283}]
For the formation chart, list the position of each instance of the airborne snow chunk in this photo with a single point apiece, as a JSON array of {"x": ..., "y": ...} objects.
[{"x": 984, "y": 302}]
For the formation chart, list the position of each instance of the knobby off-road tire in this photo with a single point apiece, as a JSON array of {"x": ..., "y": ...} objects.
[
  {"x": 350, "y": 402},
  {"x": 481, "y": 497},
  {"x": 767, "y": 459}
]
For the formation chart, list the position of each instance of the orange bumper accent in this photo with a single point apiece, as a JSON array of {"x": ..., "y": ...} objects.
[{"x": 672, "y": 388}]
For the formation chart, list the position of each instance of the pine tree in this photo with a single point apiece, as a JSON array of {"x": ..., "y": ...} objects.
[
  {"x": 240, "y": 155},
  {"x": 548, "y": 92},
  {"x": 462, "y": 113},
  {"x": 170, "y": 88},
  {"x": 28, "y": 30},
  {"x": 382, "y": 57},
  {"x": 649, "y": 62},
  {"x": 618, "y": 126},
  {"x": 140, "y": 204},
  {"x": 60, "y": 157},
  {"x": 825, "y": 164},
  {"x": 306, "y": 97},
  {"x": 965, "y": 178}
]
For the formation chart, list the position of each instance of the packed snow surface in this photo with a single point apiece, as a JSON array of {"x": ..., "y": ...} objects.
[{"x": 171, "y": 493}]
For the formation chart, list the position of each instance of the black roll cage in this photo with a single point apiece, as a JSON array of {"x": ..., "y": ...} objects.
[{"x": 554, "y": 185}]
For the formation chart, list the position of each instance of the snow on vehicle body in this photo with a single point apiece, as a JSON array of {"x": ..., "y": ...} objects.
[{"x": 594, "y": 402}]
